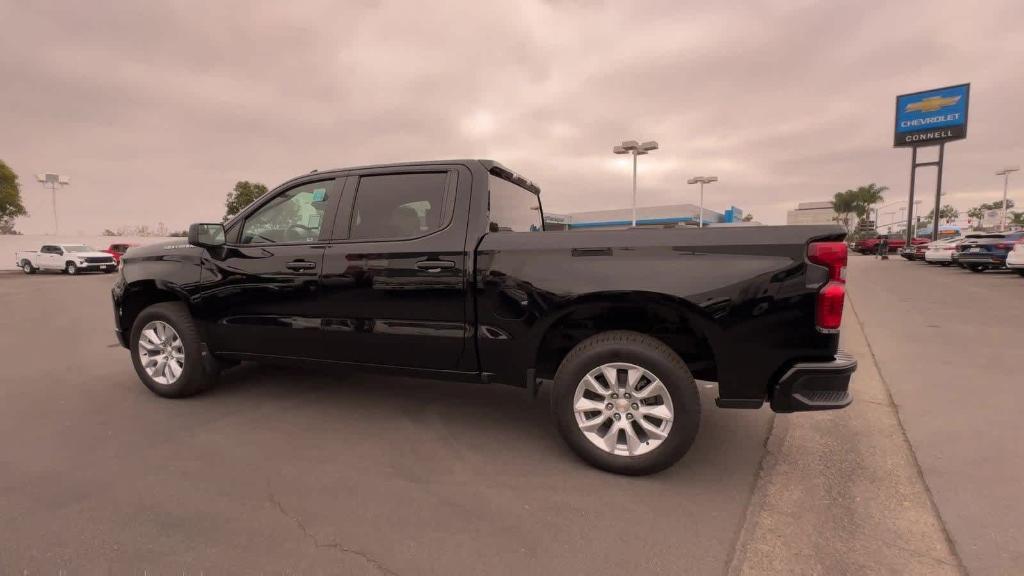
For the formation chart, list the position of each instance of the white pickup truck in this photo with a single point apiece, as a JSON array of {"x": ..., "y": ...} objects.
[{"x": 69, "y": 258}]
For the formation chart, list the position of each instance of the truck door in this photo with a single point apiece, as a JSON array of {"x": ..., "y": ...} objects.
[
  {"x": 260, "y": 293},
  {"x": 49, "y": 257},
  {"x": 394, "y": 280}
]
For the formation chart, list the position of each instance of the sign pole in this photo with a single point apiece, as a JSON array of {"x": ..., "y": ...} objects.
[
  {"x": 910, "y": 203},
  {"x": 938, "y": 194}
]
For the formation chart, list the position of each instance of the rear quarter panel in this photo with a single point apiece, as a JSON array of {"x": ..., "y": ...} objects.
[{"x": 749, "y": 291}]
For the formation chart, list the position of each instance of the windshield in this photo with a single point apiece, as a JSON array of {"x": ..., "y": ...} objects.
[{"x": 77, "y": 248}]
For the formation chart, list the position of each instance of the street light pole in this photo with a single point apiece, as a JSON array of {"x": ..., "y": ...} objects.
[
  {"x": 53, "y": 181},
  {"x": 636, "y": 149},
  {"x": 702, "y": 180},
  {"x": 1005, "y": 173},
  {"x": 634, "y": 188}
]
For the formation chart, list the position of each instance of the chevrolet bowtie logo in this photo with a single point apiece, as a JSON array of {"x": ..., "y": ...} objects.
[{"x": 931, "y": 104}]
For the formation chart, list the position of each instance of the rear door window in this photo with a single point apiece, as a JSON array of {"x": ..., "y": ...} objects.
[{"x": 399, "y": 206}]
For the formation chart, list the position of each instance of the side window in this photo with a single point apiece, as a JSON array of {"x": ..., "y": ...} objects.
[
  {"x": 292, "y": 216},
  {"x": 399, "y": 205},
  {"x": 46, "y": 250},
  {"x": 513, "y": 209}
]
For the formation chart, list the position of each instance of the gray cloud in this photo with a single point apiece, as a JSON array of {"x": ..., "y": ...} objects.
[{"x": 156, "y": 109}]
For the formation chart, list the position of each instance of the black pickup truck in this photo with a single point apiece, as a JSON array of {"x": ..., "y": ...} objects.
[{"x": 444, "y": 270}]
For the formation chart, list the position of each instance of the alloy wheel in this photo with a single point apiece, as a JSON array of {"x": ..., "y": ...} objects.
[
  {"x": 161, "y": 352},
  {"x": 623, "y": 409}
]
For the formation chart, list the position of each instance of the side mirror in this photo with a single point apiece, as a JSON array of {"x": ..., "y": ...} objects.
[{"x": 206, "y": 235}]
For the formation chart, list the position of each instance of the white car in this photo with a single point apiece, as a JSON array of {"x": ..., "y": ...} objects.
[
  {"x": 941, "y": 251},
  {"x": 1015, "y": 259},
  {"x": 69, "y": 258}
]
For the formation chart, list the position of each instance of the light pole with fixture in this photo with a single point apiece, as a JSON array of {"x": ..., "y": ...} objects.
[
  {"x": 52, "y": 181},
  {"x": 636, "y": 149},
  {"x": 702, "y": 180},
  {"x": 1005, "y": 173}
]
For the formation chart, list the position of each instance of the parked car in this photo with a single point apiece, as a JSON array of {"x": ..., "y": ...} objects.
[
  {"x": 942, "y": 251},
  {"x": 118, "y": 250},
  {"x": 69, "y": 258},
  {"x": 444, "y": 270},
  {"x": 988, "y": 252},
  {"x": 967, "y": 240},
  {"x": 915, "y": 251},
  {"x": 1015, "y": 259},
  {"x": 870, "y": 245}
]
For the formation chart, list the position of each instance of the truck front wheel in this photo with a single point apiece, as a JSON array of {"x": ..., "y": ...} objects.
[
  {"x": 167, "y": 351},
  {"x": 626, "y": 403}
]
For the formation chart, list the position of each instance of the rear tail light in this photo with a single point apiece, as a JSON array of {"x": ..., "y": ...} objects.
[
  {"x": 829, "y": 309},
  {"x": 832, "y": 255},
  {"x": 1005, "y": 245},
  {"x": 829, "y": 304}
]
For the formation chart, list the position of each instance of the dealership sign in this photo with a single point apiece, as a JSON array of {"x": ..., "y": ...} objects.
[{"x": 932, "y": 117}]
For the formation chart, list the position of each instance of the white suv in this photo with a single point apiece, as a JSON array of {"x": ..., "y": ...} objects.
[{"x": 1015, "y": 259}]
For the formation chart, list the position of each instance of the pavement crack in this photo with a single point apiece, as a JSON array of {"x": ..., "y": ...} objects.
[{"x": 376, "y": 564}]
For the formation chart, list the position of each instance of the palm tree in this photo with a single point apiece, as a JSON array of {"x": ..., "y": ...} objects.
[{"x": 867, "y": 196}]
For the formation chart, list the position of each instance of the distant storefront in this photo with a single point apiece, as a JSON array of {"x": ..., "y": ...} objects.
[
  {"x": 812, "y": 213},
  {"x": 668, "y": 216}
]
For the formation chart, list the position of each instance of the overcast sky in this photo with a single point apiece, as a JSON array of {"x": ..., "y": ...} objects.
[{"x": 155, "y": 109}]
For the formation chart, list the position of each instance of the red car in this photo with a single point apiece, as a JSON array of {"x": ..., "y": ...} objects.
[
  {"x": 117, "y": 250},
  {"x": 870, "y": 245}
]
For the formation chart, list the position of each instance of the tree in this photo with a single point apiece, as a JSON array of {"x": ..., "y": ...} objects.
[
  {"x": 10, "y": 199},
  {"x": 977, "y": 213},
  {"x": 245, "y": 193},
  {"x": 947, "y": 214},
  {"x": 864, "y": 197},
  {"x": 857, "y": 201},
  {"x": 748, "y": 218},
  {"x": 843, "y": 205},
  {"x": 7, "y": 228}
]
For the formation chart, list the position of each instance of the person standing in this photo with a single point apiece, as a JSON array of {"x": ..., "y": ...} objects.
[{"x": 883, "y": 248}]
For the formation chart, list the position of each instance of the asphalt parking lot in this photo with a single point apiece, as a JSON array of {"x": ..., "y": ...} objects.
[
  {"x": 947, "y": 342},
  {"x": 280, "y": 470}
]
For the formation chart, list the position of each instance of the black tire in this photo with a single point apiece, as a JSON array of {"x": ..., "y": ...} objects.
[
  {"x": 945, "y": 264},
  {"x": 27, "y": 267},
  {"x": 108, "y": 270},
  {"x": 650, "y": 354},
  {"x": 194, "y": 376},
  {"x": 977, "y": 268},
  {"x": 70, "y": 268},
  {"x": 1019, "y": 271}
]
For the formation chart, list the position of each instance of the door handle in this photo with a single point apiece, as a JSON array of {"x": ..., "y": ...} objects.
[
  {"x": 297, "y": 265},
  {"x": 435, "y": 265}
]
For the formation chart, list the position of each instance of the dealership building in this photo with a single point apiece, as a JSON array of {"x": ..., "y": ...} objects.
[
  {"x": 668, "y": 216},
  {"x": 812, "y": 213}
]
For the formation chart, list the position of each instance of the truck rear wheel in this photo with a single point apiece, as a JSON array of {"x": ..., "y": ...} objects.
[
  {"x": 27, "y": 267},
  {"x": 167, "y": 351},
  {"x": 626, "y": 403}
]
